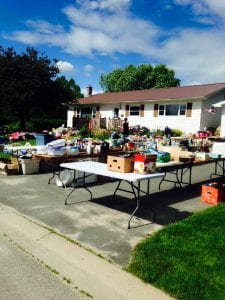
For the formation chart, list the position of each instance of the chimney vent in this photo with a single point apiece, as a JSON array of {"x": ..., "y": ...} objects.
[{"x": 89, "y": 90}]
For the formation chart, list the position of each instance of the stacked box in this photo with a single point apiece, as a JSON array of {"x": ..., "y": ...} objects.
[
  {"x": 144, "y": 163},
  {"x": 213, "y": 193},
  {"x": 121, "y": 164}
]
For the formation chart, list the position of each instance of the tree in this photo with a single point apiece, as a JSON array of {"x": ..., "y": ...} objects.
[
  {"x": 28, "y": 87},
  {"x": 138, "y": 78},
  {"x": 70, "y": 86}
]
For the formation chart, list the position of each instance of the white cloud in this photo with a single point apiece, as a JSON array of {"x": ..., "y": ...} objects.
[
  {"x": 88, "y": 68},
  {"x": 205, "y": 7},
  {"x": 65, "y": 66},
  {"x": 93, "y": 32},
  {"x": 111, "y": 5},
  {"x": 105, "y": 27},
  {"x": 195, "y": 55}
]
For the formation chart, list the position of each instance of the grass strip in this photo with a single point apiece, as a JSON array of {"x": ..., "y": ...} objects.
[{"x": 185, "y": 259}]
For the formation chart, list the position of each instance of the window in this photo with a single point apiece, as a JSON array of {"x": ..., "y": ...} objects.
[
  {"x": 183, "y": 108},
  {"x": 86, "y": 112},
  {"x": 172, "y": 110},
  {"x": 134, "y": 110},
  {"x": 161, "y": 110}
]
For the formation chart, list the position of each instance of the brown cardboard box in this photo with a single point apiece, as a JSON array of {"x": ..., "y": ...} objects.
[
  {"x": 120, "y": 164},
  {"x": 9, "y": 169}
]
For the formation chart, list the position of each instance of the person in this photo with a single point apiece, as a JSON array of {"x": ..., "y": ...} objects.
[
  {"x": 167, "y": 132},
  {"x": 125, "y": 127}
]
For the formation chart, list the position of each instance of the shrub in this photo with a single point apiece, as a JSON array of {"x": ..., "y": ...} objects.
[
  {"x": 84, "y": 132},
  {"x": 176, "y": 132},
  {"x": 101, "y": 134}
]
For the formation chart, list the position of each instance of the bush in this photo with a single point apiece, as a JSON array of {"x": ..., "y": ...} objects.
[
  {"x": 84, "y": 132},
  {"x": 101, "y": 134},
  {"x": 176, "y": 132}
]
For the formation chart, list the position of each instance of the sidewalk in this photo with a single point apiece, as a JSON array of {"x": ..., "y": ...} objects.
[{"x": 90, "y": 274}]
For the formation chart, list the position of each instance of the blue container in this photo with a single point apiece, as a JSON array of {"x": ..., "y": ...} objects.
[{"x": 43, "y": 139}]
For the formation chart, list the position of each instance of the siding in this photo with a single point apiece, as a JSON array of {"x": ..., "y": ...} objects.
[{"x": 211, "y": 120}]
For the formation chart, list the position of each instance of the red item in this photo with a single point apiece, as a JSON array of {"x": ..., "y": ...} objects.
[
  {"x": 144, "y": 163},
  {"x": 213, "y": 193}
]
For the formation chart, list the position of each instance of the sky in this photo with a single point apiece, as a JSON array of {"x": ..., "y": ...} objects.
[{"x": 90, "y": 38}]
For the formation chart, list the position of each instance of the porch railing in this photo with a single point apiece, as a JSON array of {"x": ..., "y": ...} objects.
[{"x": 97, "y": 123}]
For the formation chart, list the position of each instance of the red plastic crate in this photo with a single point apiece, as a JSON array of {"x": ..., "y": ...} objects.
[{"x": 212, "y": 193}]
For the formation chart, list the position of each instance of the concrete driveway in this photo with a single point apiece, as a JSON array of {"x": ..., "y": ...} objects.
[{"x": 101, "y": 224}]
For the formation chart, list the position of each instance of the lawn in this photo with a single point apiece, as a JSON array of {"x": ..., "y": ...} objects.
[{"x": 186, "y": 259}]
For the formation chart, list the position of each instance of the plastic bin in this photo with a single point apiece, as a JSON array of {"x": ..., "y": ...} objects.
[
  {"x": 43, "y": 139},
  {"x": 30, "y": 166}
]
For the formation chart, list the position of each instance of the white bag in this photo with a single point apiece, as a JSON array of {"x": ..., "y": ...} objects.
[{"x": 65, "y": 177}]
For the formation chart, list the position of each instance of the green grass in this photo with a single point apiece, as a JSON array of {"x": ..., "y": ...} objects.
[{"x": 186, "y": 259}]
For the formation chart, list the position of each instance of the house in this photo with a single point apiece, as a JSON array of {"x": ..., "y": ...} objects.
[
  {"x": 217, "y": 105},
  {"x": 188, "y": 108}
]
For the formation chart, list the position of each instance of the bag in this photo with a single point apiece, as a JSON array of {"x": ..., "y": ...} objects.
[
  {"x": 65, "y": 177},
  {"x": 161, "y": 155}
]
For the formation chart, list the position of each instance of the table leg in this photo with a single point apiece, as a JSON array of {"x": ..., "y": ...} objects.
[{"x": 82, "y": 185}]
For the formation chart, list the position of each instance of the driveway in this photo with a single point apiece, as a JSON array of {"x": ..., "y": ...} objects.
[{"x": 101, "y": 224}]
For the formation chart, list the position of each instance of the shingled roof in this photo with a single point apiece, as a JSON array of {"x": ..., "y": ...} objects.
[{"x": 172, "y": 93}]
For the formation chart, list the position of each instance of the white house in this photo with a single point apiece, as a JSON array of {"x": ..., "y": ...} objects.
[{"x": 188, "y": 108}]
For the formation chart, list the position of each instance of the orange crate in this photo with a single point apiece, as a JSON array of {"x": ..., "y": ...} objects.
[{"x": 212, "y": 193}]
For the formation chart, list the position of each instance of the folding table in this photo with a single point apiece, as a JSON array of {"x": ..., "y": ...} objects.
[{"x": 133, "y": 179}]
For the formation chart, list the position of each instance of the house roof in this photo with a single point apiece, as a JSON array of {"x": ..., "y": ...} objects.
[{"x": 172, "y": 93}]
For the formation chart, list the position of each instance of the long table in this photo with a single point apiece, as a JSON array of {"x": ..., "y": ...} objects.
[
  {"x": 54, "y": 161},
  {"x": 91, "y": 167},
  {"x": 179, "y": 169}
]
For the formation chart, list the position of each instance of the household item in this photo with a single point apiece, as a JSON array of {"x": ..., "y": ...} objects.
[
  {"x": 218, "y": 148},
  {"x": 42, "y": 150},
  {"x": 123, "y": 164},
  {"x": 57, "y": 143},
  {"x": 56, "y": 151},
  {"x": 72, "y": 150},
  {"x": 213, "y": 193},
  {"x": 43, "y": 139},
  {"x": 144, "y": 163},
  {"x": 30, "y": 165}
]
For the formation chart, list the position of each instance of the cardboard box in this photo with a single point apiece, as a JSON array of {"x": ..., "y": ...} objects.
[
  {"x": 9, "y": 169},
  {"x": 144, "y": 163},
  {"x": 121, "y": 164},
  {"x": 213, "y": 193}
]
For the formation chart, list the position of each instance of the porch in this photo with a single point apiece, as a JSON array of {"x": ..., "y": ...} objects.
[{"x": 114, "y": 124}]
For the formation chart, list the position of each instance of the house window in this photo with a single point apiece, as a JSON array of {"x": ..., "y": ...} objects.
[
  {"x": 172, "y": 110},
  {"x": 134, "y": 110},
  {"x": 161, "y": 110},
  {"x": 183, "y": 108},
  {"x": 86, "y": 112}
]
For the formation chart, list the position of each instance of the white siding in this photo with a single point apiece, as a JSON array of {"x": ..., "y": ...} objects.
[
  {"x": 222, "y": 127},
  {"x": 185, "y": 124},
  {"x": 208, "y": 119},
  {"x": 70, "y": 114}
]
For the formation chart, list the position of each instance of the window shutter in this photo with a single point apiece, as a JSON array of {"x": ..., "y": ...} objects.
[
  {"x": 142, "y": 110},
  {"x": 156, "y": 108},
  {"x": 127, "y": 108},
  {"x": 189, "y": 110}
]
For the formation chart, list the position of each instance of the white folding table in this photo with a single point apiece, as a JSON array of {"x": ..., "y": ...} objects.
[{"x": 133, "y": 179}]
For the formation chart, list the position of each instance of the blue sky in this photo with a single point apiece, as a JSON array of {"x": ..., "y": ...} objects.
[{"x": 93, "y": 37}]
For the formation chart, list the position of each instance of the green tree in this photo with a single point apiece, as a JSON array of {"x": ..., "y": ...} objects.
[
  {"x": 138, "y": 78},
  {"x": 70, "y": 86},
  {"x": 28, "y": 87}
]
